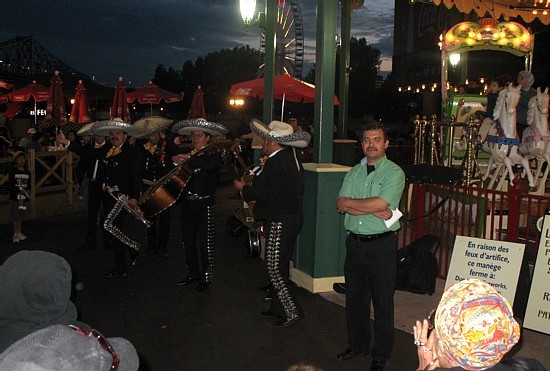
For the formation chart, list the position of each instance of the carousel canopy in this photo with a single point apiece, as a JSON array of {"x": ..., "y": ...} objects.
[{"x": 528, "y": 10}]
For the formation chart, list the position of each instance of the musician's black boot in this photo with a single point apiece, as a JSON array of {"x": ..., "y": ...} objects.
[
  {"x": 202, "y": 286},
  {"x": 187, "y": 281}
]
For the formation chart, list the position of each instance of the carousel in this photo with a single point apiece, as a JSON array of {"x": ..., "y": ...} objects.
[{"x": 485, "y": 148}]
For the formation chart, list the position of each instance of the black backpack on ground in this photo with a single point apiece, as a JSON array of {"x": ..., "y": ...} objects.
[{"x": 417, "y": 266}]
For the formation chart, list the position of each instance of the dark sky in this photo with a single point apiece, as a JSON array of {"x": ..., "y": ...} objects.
[{"x": 110, "y": 38}]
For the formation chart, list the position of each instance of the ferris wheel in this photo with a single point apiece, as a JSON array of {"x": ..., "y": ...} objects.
[{"x": 289, "y": 35}]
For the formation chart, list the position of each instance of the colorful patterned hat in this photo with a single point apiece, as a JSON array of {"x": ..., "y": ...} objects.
[{"x": 474, "y": 325}]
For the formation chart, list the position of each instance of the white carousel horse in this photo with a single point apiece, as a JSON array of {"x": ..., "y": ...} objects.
[
  {"x": 502, "y": 141},
  {"x": 536, "y": 137}
]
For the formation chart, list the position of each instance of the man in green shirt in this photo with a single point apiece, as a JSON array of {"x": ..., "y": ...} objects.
[{"x": 369, "y": 196}]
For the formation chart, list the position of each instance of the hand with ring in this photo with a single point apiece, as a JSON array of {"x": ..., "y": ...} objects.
[{"x": 427, "y": 360}]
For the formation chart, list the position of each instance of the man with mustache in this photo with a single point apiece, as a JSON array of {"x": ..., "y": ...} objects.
[{"x": 369, "y": 193}]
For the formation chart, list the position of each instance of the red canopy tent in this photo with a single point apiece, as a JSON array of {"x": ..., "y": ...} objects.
[
  {"x": 55, "y": 110},
  {"x": 197, "y": 110},
  {"x": 80, "y": 111},
  {"x": 153, "y": 94},
  {"x": 285, "y": 87},
  {"x": 38, "y": 92},
  {"x": 119, "y": 109}
]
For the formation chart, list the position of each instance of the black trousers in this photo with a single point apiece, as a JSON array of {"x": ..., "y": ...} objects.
[
  {"x": 159, "y": 231},
  {"x": 371, "y": 270},
  {"x": 120, "y": 250},
  {"x": 197, "y": 218},
  {"x": 95, "y": 200},
  {"x": 282, "y": 233}
]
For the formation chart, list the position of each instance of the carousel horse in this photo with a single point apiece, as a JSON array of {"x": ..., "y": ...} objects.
[
  {"x": 502, "y": 141},
  {"x": 536, "y": 137}
]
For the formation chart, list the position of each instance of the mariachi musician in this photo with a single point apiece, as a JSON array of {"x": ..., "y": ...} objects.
[
  {"x": 156, "y": 166},
  {"x": 197, "y": 200},
  {"x": 92, "y": 155},
  {"x": 278, "y": 194},
  {"x": 124, "y": 170}
]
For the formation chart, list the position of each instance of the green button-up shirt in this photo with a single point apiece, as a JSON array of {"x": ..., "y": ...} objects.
[{"x": 387, "y": 181}]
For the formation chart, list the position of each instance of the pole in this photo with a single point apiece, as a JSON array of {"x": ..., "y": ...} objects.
[
  {"x": 343, "y": 73},
  {"x": 283, "y": 108}
]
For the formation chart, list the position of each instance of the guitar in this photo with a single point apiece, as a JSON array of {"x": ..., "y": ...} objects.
[{"x": 248, "y": 177}]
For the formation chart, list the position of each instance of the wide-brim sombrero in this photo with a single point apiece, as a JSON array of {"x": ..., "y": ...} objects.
[
  {"x": 281, "y": 132},
  {"x": 86, "y": 129},
  {"x": 105, "y": 127},
  {"x": 152, "y": 124},
  {"x": 186, "y": 127}
]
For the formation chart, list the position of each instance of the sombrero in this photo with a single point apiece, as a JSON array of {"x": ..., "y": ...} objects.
[
  {"x": 186, "y": 127},
  {"x": 151, "y": 125},
  {"x": 86, "y": 129},
  {"x": 281, "y": 132},
  {"x": 104, "y": 127}
]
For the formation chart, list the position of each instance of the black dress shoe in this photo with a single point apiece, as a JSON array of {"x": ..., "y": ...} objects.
[
  {"x": 114, "y": 274},
  {"x": 267, "y": 313},
  {"x": 202, "y": 286},
  {"x": 187, "y": 281},
  {"x": 349, "y": 354},
  {"x": 378, "y": 365},
  {"x": 268, "y": 297},
  {"x": 285, "y": 322},
  {"x": 339, "y": 287}
]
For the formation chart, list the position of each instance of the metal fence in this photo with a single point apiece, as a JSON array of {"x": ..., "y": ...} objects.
[{"x": 447, "y": 211}]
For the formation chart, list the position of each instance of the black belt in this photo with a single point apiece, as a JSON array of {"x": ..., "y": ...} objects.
[{"x": 369, "y": 237}]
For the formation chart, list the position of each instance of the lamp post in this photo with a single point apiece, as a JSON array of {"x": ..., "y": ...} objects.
[{"x": 248, "y": 8}]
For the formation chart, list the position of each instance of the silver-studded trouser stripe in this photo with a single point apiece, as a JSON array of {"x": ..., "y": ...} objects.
[
  {"x": 273, "y": 260},
  {"x": 210, "y": 248}
]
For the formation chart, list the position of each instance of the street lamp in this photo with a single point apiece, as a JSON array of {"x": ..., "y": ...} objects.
[
  {"x": 454, "y": 59},
  {"x": 248, "y": 8}
]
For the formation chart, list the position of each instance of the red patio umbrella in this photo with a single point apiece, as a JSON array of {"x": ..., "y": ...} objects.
[
  {"x": 285, "y": 87},
  {"x": 80, "y": 112},
  {"x": 55, "y": 110},
  {"x": 38, "y": 92},
  {"x": 197, "y": 110},
  {"x": 119, "y": 109},
  {"x": 152, "y": 94},
  {"x": 5, "y": 85}
]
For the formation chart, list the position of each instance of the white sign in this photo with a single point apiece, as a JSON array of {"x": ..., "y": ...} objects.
[
  {"x": 537, "y": 315},
  {"x": 496, "y": 262}
]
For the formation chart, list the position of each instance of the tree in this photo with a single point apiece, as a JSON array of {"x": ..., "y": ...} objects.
[{"x": 215, "y": 73}]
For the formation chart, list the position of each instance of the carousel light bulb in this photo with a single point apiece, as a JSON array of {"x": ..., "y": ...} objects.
[{"x": 399, "y": 88}]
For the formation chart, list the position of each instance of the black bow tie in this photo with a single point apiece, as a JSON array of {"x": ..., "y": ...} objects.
[{"x": 370, "y": 169}]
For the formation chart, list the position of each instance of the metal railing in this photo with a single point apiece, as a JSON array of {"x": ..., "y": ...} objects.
[{"x": 446, "y": 211}]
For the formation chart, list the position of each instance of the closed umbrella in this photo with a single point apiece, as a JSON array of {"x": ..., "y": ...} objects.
[
  {"x": 119, "y": 109},
  {"x": 153, "y": 94},
  {"x": 55, "y": 109},
  {"x": 80, "y": 112},
  {"x": 197, "y": 110},
  {"x": 33, "y": 90}
]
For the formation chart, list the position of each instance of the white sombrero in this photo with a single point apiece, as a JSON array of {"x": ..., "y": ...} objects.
[
  {"x": 86, "y": 129},
  {"x": 281, "y": 132},
  {"x": 186, "y": 127},
  {"x": 152, "y": 124},
  {"x": 105, "y": 127}
]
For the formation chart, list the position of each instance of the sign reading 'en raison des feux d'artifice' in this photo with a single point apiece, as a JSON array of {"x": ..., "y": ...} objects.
[{"x": 495, "y": 262}]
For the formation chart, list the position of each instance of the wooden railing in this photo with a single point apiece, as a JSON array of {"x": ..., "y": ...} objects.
[{"x": 52, "y": 184}]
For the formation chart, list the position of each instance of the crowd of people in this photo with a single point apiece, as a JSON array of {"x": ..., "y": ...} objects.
[{"x": 121, "y": 162}]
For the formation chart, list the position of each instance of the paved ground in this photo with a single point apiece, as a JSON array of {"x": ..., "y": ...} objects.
[{"x": 179, "y": 329}]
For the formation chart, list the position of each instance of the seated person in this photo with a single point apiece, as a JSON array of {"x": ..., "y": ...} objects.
[
  {"x": 35, "y": 287},
  {"x": 473, "y": 329}
]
